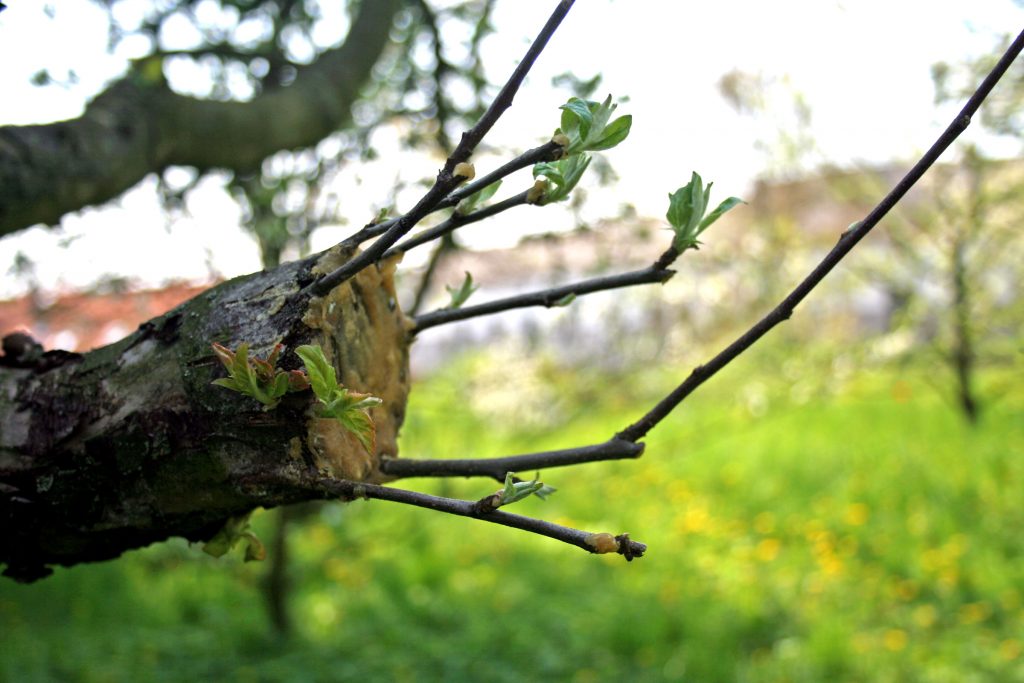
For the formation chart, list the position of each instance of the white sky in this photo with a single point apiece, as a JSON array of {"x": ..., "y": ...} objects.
[{"x": 862, "y": 65}]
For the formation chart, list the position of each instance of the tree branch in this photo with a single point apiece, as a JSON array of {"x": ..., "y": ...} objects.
[
  {"x": 847, "y": 242},
  {"x": 497, "y": 468},
  {"x": 591, "y": 542},
  {"x": 139, "y": 126},
  {"x": 546, "y": 297},
  {"x": 446, "y": 179},
  {"x": 456, "y": 221}
]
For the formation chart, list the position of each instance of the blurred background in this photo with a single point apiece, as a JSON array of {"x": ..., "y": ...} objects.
[{"x": 841, "y": 503}]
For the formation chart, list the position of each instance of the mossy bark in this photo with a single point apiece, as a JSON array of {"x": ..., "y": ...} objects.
[{"x": 131, "y": 443}]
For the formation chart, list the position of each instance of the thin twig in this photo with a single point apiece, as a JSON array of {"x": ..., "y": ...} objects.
[
  {"x": 446, "y": 179},
  {"x": 446, "y": 245},
  {"x": 846, "y": 242},
  {"x": 591, "y": 542},
  {"x": 497, "y": 468},
  {"x": 554, "y": 296},
  {"x": 456, "y": 221},
  {"x": 549, "y": 151}
]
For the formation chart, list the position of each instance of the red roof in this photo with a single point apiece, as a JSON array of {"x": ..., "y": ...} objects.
[{"x": 83, "y": 321}]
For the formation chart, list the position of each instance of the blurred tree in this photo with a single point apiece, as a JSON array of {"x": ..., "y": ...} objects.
[{"x": 947, "y": 256}]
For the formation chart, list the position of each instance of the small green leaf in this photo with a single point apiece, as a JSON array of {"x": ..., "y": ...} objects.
[
  {"x": 470, "y": 203},
  {"x": 321, "y": 373},
  {"x": 459, "y": 295},
  {"x": 613, "y": 134},
  {"x": 564, "y": 175},
  {"x": 686, "y": 210},
  {"x": 361, "y": 425},
  {"x": 565, "y": 300},
  {"x": 576, "y": 118},
  {"x": 726, "y": 205},
  {"x": 514, "y": 491},
  {"x": 224, "y": 540}
]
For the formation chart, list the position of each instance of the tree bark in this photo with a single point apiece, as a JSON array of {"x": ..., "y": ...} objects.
[
  {"x": 139, "y": 126},
  {"x": 131, "y": 443}
]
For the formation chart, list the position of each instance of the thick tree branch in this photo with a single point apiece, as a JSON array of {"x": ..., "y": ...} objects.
[
  {"x": 447, "y": 180},
  {"x": 591, "y": 542},
  {"x": 554, "y": 296},
  {"x": 847, "y": 242},
  {"x": 140, "y": 126},
  {"x": 497, "y": 468}
]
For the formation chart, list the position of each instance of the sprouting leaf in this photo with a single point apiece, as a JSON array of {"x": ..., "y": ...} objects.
[
  {"x": 321, "y": 373},
  {"x": 235, "y": 529},
  {"x": 349, "y": 408},
  {"x": 686, "y": 210},
  {"x": 256, "y": 377},
  {"x": 514, "y": 491},
  {"x": 563, "y": 175},
  {"x": 565, "y": 300},
  {"x": 726, "y": 205},
  {"x": 460, "y": 294},
  {"x": 586, "y": 125},
  {"x": 613, "y": 134},
  {"x": 469, "y": 204}
]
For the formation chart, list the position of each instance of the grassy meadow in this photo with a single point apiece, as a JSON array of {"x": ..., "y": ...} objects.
[{"x": 806, "y": 521}]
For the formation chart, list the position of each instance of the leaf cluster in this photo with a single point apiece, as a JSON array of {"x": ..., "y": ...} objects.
[
  {"x": 347, "y": 407},
  {"x": 686, "y": 212},
  {"x": 515, "y": 491},
  {"x": 256, "y": 377},
  {"x": 236, "y": 529},
  {"x": 585, "y": 127}
]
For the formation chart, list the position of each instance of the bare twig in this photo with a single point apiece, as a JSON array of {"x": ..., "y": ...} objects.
[
  {"x": 549, "y": 151},
  {"x": 455, "y": 222},
  {"x": 591, "y": 542},
  {"x": 447, "y": 180},
  {"x": 554, "y": 296},
  {"x": 446, "y": 245},
  {"x": 497, "y": 468},
  {"x": 846, "y": 242}
]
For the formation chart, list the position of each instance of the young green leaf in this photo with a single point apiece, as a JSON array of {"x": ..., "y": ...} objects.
[
  {"x": 256, "y": 377},
  {"x": 563, "y": 175},
  {"x": 585, "y": 125},
  {"x": 234, "y": 530},
  {"x": 514, "y": 491},
  {"x": 686, "y": 210},
  {"x": 321, "y": 373},
  {"x": 470, "y": 203},
  {"x": 459, "y": 295},
  {"x": 726, "y": 205},
  {"x": 349, "y": 408},
  {"x": 565, "y": 300}
]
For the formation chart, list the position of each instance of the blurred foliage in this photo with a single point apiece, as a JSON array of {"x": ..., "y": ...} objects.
[{"x": 806, "y": 523}]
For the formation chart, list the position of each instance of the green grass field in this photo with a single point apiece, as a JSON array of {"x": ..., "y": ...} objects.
[{"x": 845, "y": 529}]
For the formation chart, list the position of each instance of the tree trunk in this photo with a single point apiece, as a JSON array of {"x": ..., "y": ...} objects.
[{"x": 131, "y": 443}]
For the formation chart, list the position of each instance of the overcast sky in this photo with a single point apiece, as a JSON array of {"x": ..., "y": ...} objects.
[{"x": 862, "y": 66}]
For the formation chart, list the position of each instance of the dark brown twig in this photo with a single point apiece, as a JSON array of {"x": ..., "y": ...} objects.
[
  {"x": 457, "y": 221},
  {"x": 554, "y": 296},
  {"x": 497, "y": 468},
  {"x": 847, "y": 241},
  {"x": 591, "y": 542}
]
